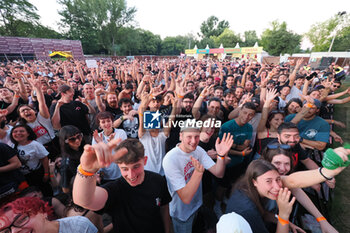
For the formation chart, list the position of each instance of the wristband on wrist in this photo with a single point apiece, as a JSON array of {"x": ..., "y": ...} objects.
[
  {"x": 141, "y": 115},
  {"x": 220, "y": 156},
  {"x": 121, "y": 118},
  {"x": 180, "y": 96},
  {"x": 16, "y": 96},
  {"x": 46, "y": 174},
  {"x": 327, "y": 178},
  {"x": 319, "y": 219},
  {"x": 243, "y": 153},
  {"x": 51, "y": 176},
  {"x": 83, "y": 173},
  {"x": 282, "y": 221}
]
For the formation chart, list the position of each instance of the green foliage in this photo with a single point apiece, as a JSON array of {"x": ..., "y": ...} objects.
[
  {"x": 227, "y": 38},
  {"x": 342, "y": 41},
  {"x": 174, "y": 45},
  {"x": 13, "y": 13},
  {"x": 320, "y": 34},
  {"x": 213, "y": 27},
  {"x": 250, "y": 38},
  {"x": 95, "y": 22},
  {"x": 279, "y": 40}
]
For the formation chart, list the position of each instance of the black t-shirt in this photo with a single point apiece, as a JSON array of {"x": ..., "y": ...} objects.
[
  {"x": 74, "y": 113},
  {"x": 13, "y": 115},
  {"x": 241, "y": 204},
  {"x": 114, "y": 111},
  {"x": 298, "y": 153},
  {"x": 7, "y": 153},
  {"x": 137, "y": 209},
  {"x": 226, "y": 112}
]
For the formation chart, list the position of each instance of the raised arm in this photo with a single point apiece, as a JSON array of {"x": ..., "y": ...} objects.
[
  {"x": 85, "y": 192},
  {"x": 197, "y": 105},
  {"x": 308, "y": 178},
  {"x": 43, "y": 109},
  {"x": 270, "y": 96},
  {"x": 294, "y": 73},
  {"x": 100, "y": 105}
]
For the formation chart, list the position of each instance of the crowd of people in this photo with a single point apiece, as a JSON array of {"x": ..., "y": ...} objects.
[{"x": 77, "y": 154}]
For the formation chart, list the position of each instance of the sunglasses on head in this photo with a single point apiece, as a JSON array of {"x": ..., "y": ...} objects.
[
  {"x": 277, "y": 146},
  {"x": 74, "y": 138}
]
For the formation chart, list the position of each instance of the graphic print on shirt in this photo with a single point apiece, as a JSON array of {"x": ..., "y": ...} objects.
[
  {"x": 188, "y": 170},
  {"x": 39, "y": 131}
]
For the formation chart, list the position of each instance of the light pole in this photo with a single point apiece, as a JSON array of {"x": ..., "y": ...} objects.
[{"x": 340, "y": 14}]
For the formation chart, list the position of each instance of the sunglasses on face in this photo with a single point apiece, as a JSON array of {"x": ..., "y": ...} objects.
[
  {"x": 277, "y": 146},
  {"x": 335, "y": 86},
  {"x": 74, "y": 138}
]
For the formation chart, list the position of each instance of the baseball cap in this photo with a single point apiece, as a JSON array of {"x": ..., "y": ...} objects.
[{"x": 232, "y": 223}]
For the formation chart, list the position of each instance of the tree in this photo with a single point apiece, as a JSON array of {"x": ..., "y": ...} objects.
[
  {"x": 13, "y": 13},
  {"x": 95, "y": 22},
  {"x": 174, "y": 45},
  {"x": 213, "y": 27},
  {"x": 342, "y": 41},
  {"x": 227, "y": 38},
  {"x": 320, "y": 34},
  {"x": 279, "y": 40},
  {"x": 250, "y": 38}
]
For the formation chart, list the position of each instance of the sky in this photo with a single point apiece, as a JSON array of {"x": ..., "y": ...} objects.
[{"x": 180, "y": 17}]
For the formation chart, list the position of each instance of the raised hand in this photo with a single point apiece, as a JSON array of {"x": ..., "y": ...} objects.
[
  {"x": 97, "y": 137},
  {"x": 284, "y": 205},
  {"x": 223, "y": 147},
  {"x": 100, "y": 155},
  {"x": 197, "y": 165}
]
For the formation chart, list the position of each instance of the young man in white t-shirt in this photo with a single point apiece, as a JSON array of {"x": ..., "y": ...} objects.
[{"x": 184, "y": 166}]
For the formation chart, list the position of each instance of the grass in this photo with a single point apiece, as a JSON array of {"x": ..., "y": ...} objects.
[{"x": 340, "y": 210}]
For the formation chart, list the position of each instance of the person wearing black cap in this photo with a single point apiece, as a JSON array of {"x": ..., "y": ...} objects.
[{"x": 314, "y": 130}]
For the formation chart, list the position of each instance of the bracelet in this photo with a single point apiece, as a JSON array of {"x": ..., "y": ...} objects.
[
  {"x": 51, "y": 176},
  {"x": 180, "y": 96},
  {"x": 121, "y": 118},
  {"x": 222, "y": 157},
  {"x": 243, "y": 153},
  {"x": 46, "y": 174},
  {"x": 16, "y": 96},
  {"x": 83, "y": 173},
  {"x": 282, "y": 221},
  {"x": 332, "y": 121},
  {"x": 202, "y": 96},
  {"x": 141, "y": 115},
  {"x": 151, "y": 96},
  {"x": 327, "y": 178},
  {"x": 319, "y": 219}
]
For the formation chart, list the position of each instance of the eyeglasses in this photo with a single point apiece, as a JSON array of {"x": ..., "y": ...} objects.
[
  {"x": 277, "y": 146},
  {"x": 73, "y": 139},
  {"x": 19, "y": 221},
  {"x": 336, "y": 86}
]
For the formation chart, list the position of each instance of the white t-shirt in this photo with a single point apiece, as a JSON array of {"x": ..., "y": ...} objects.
[
  {"x": 155, "y": 151},
  {"x": 112, "y": 172},
  {"x": 294, "y": 93},
  {"x": 30, "y": 156},
  {"x": 178, "y": 170},
  {"x": 43, "y": 129},
  {"x": 282, "y": 103}
]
